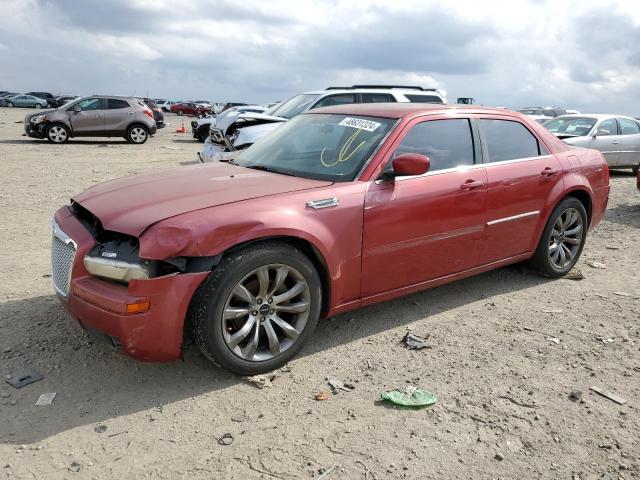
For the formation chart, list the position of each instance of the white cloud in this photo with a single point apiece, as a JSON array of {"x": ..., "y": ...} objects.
[{"x": 577, "y": 53}]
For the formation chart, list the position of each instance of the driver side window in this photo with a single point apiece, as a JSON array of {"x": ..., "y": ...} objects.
[
  {"x": 89, "y": 104},
  {"x": 447, "y": 143}
]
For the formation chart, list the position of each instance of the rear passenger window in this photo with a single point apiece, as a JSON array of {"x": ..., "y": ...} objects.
[
  {"x": 423, "y": 98},
  {"x": 508, "y": 140},
  {"x": 447, "y": 143},
  {"x": 343, "y": 99},
  {"x": 115, "y": 103},
  {"x": 628, "y": 127},
  {"x": 376, "y": 98}
]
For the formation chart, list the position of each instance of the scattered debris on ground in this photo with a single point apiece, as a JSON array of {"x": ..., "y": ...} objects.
[
  {"x": 23, "y": 379},
  {"x": 46, "y": 399},
  {"x": 409, "y": 396},
  {"x": 609, "y": 395},
  {"x": 574, "y": 274},
  {"x": 226, "y": 439},
  {"x": 415, "y": 342}
]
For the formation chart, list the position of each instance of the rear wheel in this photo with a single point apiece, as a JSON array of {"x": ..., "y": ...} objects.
[
  {"x": 257, "y": 308},
  {"x": 58, "y": 133},
  {"x": 39, "y": 106},
  {"x": 179, "y": 112},
  {"x": 563, "y": 239},
  {"x": 137, "y": 134},
  {"x": 10, "y": 104}
]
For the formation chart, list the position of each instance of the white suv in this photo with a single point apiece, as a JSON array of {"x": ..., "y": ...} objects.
[{"x": 248, "y": 127}]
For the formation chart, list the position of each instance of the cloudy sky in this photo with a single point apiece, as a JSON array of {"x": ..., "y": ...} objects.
[{"x": 578, "y": 54}]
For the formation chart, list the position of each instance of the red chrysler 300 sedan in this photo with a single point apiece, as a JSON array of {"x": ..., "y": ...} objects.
[{"x": 341, "y": 207}]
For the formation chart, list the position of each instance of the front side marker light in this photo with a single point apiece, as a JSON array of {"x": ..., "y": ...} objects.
[{"x": 140, "y": 306}]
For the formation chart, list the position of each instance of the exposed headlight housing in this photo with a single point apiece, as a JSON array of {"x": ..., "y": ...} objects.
[
  {"x": 38, "y": 119},
  {"x": 117, "y": 270}
]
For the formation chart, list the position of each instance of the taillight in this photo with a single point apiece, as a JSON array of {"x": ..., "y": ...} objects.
[{"x": 148, "y": 112}]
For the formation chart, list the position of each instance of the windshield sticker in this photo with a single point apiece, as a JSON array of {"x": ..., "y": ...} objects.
[{"x": 360, "y": 123}]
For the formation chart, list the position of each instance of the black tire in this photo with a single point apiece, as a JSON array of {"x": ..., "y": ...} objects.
[
  {"x": 542, "y": 259},
  {"x": 10, "y": 104},
  {"x": 39, "y": 106},
  {"x": 137, "y": 134},
  {"x": 202, "y": 133},
  {"x": 179, "y": 112},
  {"x": 208, "y": 305},
  {"x": 635, "y": 169},
  {"x": 58, "y": 133}
]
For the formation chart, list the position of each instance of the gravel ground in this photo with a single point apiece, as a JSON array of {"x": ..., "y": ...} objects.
[{"x": 508, "y": 348}]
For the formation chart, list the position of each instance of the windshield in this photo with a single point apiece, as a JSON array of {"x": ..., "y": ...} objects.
[
  {"x": 322, "y": 147},
  {"x": 295, "y": 105},
  {"x": 576, "y": 126}
]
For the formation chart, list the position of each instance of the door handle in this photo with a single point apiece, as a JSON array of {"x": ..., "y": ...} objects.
[
  {"x": 616, "y": 142},
  {"x": 129, "y": 113},
  {"x": 471, "y": 184},
  {"x": 548, "y": 172}
]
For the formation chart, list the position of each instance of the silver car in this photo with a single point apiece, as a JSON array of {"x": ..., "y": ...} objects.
[{"x": 617, "y": 137}]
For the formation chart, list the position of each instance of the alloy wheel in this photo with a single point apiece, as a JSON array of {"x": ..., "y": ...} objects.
[
  {"x": 57, "y": 134},
  {"x": 566, "y": 238},
  {"x": 266, "y": 312},
  {"x": 138, "y": 135}
]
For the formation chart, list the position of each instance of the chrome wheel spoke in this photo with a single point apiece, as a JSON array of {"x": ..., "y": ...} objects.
[
  {"x": 241, "y": 292},
  {"x": 274, "y": 343},
  {"x": 574, "y": 231},
  {"x": 287, "y": 329},
  {"x": 263, "y": 280},
  {"x": 235, "y": 312},
  {"x": 563, "y": 256},
  {"x": 241, "y": 334},
  {"x": 298, "y": 307},
  {"x": 289, "y": 294},
  {"x": 553, "y": 247},
  {"x": 250, "y": 349},
  {"x": 572, "y": 241},
  {"x": 568, "y": 253},
  {"x": 281, "y": 276}
]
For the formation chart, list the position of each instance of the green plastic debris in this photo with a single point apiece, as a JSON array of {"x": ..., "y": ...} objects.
[{"x": 410, "y": 397}]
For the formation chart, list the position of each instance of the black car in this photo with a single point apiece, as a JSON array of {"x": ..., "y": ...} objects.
[
  {"x": 158, "y": 116},
  {"x": 61, "y": 100},
  {"x": 44, "y": 95}
]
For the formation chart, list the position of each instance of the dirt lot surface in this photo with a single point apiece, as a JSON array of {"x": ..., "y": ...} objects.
[{"x": 508, "y": 348}]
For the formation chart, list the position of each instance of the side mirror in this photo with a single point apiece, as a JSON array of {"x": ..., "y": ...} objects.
[
  {"x": 407, "y": 165},
  {"x": 77, "y": 109},
  {"x": 601, "y": 132}
]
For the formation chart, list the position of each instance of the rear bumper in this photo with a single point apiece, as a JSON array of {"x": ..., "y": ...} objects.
[{"x": 100, "y": 306}]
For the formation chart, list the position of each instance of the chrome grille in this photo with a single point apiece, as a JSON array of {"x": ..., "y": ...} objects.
[{"x": 63, "y": 251}]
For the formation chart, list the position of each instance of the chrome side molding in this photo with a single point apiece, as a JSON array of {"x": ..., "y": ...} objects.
[
  {"x": 515, "y": 217},
  {"x": 323, "y": 203}
]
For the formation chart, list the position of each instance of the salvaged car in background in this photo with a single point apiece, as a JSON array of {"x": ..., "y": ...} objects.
[
  {"x": 200, "y": 127},
  {"x": 247, "y": 129},
  {"x": 188, "y": 108},
  {"x": 341, "y": 207},
  {"x": 94, "y": 116},
  {"x": 616, "y": 136},
  {"x": 23, "y": 100}
]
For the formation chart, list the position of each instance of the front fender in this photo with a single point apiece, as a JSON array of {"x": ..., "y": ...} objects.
[{"x": 336, "y": 232}]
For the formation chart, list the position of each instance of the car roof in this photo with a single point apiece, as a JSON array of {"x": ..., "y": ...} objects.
[
  {"x": 402, "y": 110},
  {"x": 596, "y": 116},
  {"x": 404, "y": 91}
]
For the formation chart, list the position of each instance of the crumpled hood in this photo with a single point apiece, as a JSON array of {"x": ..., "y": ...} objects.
[{"x": 130, "y": 205}]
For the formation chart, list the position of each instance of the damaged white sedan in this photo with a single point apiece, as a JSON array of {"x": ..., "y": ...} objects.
[{"x": 231, "y": 134}]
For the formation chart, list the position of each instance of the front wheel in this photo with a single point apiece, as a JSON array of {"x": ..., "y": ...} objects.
[
  {"x": 180, "y": 112},
  {"x": 137, "y": 134},
  {"x": 562, "y": 240},
  {"x": 10, "y": 104},
  {"x": 39, "y": 106},
  {"x": 257, "y": 308},
  {"x": 58, "y": 133}
]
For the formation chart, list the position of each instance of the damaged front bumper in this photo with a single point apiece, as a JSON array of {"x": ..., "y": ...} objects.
[
  {"x": 144, "y": 319},
  {"x": 212, "y": 152}
]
